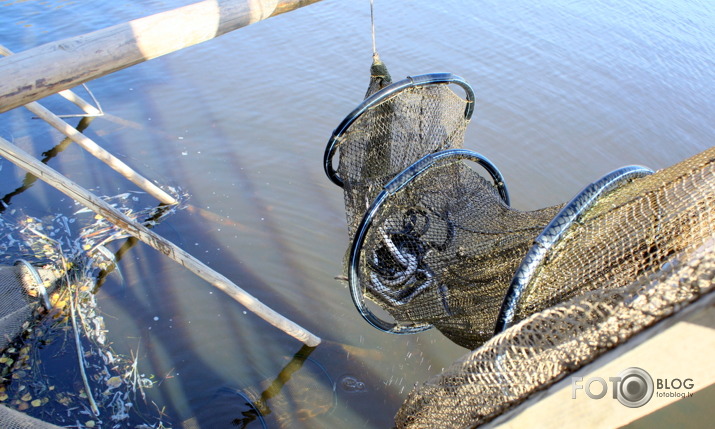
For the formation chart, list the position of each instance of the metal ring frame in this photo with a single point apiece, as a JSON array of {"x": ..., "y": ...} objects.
[
  {"x": 554, "y": 232},
  {"x": 39, "y": 284},
  {"x": 382, "y": 96},
  {"x": 391, "y": 188}
]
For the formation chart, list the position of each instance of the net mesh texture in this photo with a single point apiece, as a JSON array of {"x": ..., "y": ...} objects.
[
  {"x": 44, "y": 335},
  {"x": 19, "y": 297},
  {"x": 639, "y": 256},
  {"x": 444, "y": 247}
]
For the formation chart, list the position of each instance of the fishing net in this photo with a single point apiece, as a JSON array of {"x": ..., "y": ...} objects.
[
  {"x": 641, "y": 255},
  {"x": 535, "y": 294},
  {"x": 57, "y": 366},
  {"x": 21, "y": 291},
  {"x": 19, "y": 296},
  {"x": 434, "y": 242}
]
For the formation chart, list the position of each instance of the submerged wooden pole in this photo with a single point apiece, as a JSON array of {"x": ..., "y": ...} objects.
[
  {"x": 100, "y": 153},
  {"x": 25, "y": 161},
  {"x": 38, "y": 72}
]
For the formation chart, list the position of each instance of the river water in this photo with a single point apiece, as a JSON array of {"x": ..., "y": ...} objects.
[{"x": 567, "y": 90}]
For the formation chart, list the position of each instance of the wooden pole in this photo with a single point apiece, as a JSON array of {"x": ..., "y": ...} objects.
[
  {"x": 25, "y": 161},
  {"x": 89, "y": 109},
  {"x": 38, "y": 72},
  {"x": 90, "y": 146}
]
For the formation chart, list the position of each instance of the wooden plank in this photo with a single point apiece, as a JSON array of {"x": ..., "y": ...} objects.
[
  {"x": 679, "y": 347},
  {"x": 38, "y": 72},
  {"x": 25, "y": 161}
]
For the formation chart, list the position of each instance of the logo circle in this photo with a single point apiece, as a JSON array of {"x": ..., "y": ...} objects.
[{"x": 635, "y": 388}]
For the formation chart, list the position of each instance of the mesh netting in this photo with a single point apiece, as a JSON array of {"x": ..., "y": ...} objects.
[
  {"x": 56, "y": 363},
  {"x": 12, "y": 419},
  {"x": 384, "y": 141},
  {"x": 19, "y": 296},
  {"x": 549, "y": 345},
  {"x": 435, "y": 243},
  {"x": 443, "y": 250}
]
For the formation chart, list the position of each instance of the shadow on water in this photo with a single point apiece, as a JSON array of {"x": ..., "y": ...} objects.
[
  {"x": 195, "y": 384},
  {"x": 31, "y": 179},
  {"x": 209, "y": 404},
  {"x": 163, "y": 305},
  {"x": 212, "y": 402}
]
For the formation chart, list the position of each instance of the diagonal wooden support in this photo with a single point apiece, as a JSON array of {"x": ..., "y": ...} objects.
[
  {"x": 100, "y": 153},
  {"x": 25, "y": 161},
  {"x": 89, "y": 145}
]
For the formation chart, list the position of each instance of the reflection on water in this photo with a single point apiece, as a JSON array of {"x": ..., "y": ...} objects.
[{"x": 566, "y": 91}]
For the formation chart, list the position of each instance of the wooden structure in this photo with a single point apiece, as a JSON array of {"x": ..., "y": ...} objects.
[
  {"x": 55, "y": 67},
  {"x": 47, "y": 69}
]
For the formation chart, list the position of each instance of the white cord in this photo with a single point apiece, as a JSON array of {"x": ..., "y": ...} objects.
[{"x": 372, "y": 21}]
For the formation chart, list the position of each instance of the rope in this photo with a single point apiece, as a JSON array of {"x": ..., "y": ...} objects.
[{"x": 372, "y": 22}]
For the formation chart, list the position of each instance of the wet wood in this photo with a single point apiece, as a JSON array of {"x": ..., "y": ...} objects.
[
  {"x": 38, "y": 72},
  {"x": 89, "y": 109},
  {"x": 25, "y": 161},
  {"x": 100, "y": 153}
]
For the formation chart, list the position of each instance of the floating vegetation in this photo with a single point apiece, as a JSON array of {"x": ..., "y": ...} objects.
[{"x": 62, "y": 368}]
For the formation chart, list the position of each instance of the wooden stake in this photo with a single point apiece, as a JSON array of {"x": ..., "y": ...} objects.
[
  {"x": 38, "y": 72},
  {"x": 25, "y": 161},
  {"x": 100, "y": 153}
]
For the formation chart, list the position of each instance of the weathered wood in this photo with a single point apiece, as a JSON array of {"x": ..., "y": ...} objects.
[
  {"x": 89, "y": 109},
  {"x": 38, "y": 72},
  {"x": 25, "y": 161},
  {"x": 100, "y": 153}
]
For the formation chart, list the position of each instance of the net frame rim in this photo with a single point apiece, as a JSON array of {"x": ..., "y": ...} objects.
[
  {"x": 394, "y": 186},
  {"x": 384, "y": 95},
  {"x": 569, "y": 215}
]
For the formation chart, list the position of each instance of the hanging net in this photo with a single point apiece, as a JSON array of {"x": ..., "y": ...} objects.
[{"x": 535, "y": 294}]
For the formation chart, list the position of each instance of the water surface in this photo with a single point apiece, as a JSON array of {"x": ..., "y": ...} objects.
[{"x": 566, "y": 91}]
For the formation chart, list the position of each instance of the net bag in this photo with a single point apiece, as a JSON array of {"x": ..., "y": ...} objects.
[
  {"x": 22, "y": 289},
  {"x": 434, "y": 243},
  {"x": 535, "y": 295},
  {"x": 382, "y": 136},
  {"x": 640, "y": 255}
]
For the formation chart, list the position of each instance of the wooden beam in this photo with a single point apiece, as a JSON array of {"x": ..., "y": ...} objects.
[
  {"x": 89, "y": 109},
  {"x": 38, "y": 72},
  {"x": 25, "y": 161}
]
